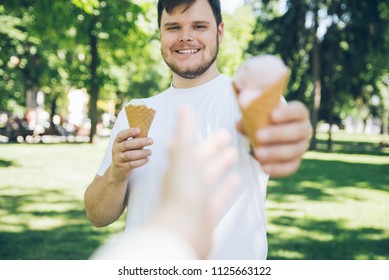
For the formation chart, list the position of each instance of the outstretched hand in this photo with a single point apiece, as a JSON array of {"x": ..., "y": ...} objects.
[
  {"x": 283, "y": 143},
  {"x": 197, "y": 183}
]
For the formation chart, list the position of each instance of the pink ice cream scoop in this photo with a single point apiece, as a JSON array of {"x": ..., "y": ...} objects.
[{"x": 259, "y": 85}]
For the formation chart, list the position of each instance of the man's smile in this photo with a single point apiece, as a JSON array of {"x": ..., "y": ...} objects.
[{"x": 187, "y": 51}]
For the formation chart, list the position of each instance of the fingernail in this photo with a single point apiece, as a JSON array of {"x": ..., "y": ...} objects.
[{"x": 150, "y": 141}]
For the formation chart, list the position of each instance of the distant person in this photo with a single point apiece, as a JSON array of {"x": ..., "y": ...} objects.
[{"x": 132, "y": 170}]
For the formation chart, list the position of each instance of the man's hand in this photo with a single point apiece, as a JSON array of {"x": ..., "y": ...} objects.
[
  {"x": 284, "y": 141},
  {"x": 128, "y": 153}
]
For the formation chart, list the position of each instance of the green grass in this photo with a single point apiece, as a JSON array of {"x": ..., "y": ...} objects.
[
  {"x": 41, "y": 210},
  {"x": 335, "y": 207}
]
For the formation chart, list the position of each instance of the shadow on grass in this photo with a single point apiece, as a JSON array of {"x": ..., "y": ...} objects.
[
  {"x": 45, "y": 225},
  {"x": 349, "y": 147},
  {"x": 6, "y": 163},
  {"x": 317, "y": 179},
  {"x": 341, "y": 243},
  {"x": 328, "y": 181}
]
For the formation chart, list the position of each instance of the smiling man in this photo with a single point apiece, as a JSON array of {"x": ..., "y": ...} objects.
[
  {"x": 131, "y": 172},
  {"x": 190, "y": 42}
]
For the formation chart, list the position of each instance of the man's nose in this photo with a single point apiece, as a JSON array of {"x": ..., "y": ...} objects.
[{"x": 186, "y": 35}]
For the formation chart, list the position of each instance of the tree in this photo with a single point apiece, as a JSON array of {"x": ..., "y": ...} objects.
[
  {"x": 102, "y": 46},
  {"x": 238, "y": 33},
  {"x": 330, "y": 46}
]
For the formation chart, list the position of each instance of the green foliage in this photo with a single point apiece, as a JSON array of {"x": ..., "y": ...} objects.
[
  {"x": 353, "y": 41},
  {"x": 52, "y": 42},
  {"x": 46, "y": 45},
  {"x": 238, "y": 33}
]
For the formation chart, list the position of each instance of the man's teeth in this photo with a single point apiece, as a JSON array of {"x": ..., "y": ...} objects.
[{"x": 187, "y": 51}]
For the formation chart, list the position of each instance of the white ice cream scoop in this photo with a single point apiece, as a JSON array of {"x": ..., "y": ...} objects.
[{"x": 256, "y": 74}]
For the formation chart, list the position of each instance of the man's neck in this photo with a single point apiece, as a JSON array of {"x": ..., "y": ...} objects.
[{"x": 179, "y": 82}]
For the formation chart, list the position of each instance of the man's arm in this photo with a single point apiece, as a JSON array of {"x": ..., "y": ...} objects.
[{"x": 105, "y": 198}]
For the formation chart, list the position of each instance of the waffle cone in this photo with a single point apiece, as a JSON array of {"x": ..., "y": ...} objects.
[
  {"x": 257, "y": 114},
  {"x": 140, "y": 116}
]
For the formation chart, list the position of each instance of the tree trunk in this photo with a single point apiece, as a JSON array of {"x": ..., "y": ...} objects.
[
  {"x": 330, "y": 116},
  {"x": 53, "y": 106},
  {"x": 94, "y": 90},
  {"x": 317, "y": 82}
]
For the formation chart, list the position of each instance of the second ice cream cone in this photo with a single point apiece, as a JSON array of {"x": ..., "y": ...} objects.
[{"x": 257, "y": 113}]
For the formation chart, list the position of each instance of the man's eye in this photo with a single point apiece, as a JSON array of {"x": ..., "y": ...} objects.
[
  {"x": 200, "y": 27},
  {"x": 173, "y": 28}
]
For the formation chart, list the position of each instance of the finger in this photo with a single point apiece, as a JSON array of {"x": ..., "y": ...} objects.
[
  {"x": 134, "y": 144},
  {"x": 240, "y": 127},
  {"x": 294, "y": 111},
  {"x": 187, "y": 125},
  {"x": 223, "y": 194},
  {"x": 279, "y": 153},
  {"x": 217, "y": 166},
  {"x": 281, "y": 169},
  {"x": 134, "y": 155},
  {"x": 137, "y": 163},
  {"x": 212, "y": 145},
  {"x": 127, "y": 133},
  {"x": 283, "y": 133},
  {"x": 183, "y": 140}
]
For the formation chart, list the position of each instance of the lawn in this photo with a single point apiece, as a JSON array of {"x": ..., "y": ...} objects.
[
  {"x": 41, "y": 210},
  {"x": 335, "y": 207}
]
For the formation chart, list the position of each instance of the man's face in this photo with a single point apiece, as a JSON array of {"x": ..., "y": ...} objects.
[{"x": 190, "y": 39}]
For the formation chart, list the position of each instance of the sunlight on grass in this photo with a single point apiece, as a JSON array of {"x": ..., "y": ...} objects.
[
  {"x": 334, "y": 207},
  {"x": 293, "y": 255},
  {"x": 46, "y": 223},
  {"x": 368, "y": 159},
  {"x": 54, "y": 206},
  {"x": 342, "y": 135},
  {"x": 42, "y": 214}
]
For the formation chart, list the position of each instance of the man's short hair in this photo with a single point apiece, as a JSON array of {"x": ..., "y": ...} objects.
[{"x": 169, "y": 6}]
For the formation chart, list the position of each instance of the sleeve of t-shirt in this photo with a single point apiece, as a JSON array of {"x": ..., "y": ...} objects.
[{"x": 120, "y": 124}]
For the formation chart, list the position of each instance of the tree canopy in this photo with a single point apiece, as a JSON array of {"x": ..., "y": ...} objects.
[{"x": 337, "y": 51}]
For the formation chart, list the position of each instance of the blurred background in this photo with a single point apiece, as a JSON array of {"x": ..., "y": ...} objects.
[{"x": 68, "y": 67}]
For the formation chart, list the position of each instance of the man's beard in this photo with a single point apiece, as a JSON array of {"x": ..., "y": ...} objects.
[{"x": 198, "y": 71}]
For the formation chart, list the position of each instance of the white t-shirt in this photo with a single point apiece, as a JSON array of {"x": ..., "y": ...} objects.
[{"x": 241, "y": 231}]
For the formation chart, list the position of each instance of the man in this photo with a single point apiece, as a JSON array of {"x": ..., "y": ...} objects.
[{"x": 132, "y": 170}]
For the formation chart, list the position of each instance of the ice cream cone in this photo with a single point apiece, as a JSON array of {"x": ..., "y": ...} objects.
[
  {"x": 140, "y": 116},
  {"x": 257, "y": 113}
]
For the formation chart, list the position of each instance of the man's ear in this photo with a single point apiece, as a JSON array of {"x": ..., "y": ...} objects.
[{"x": 220, "y": 32}]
